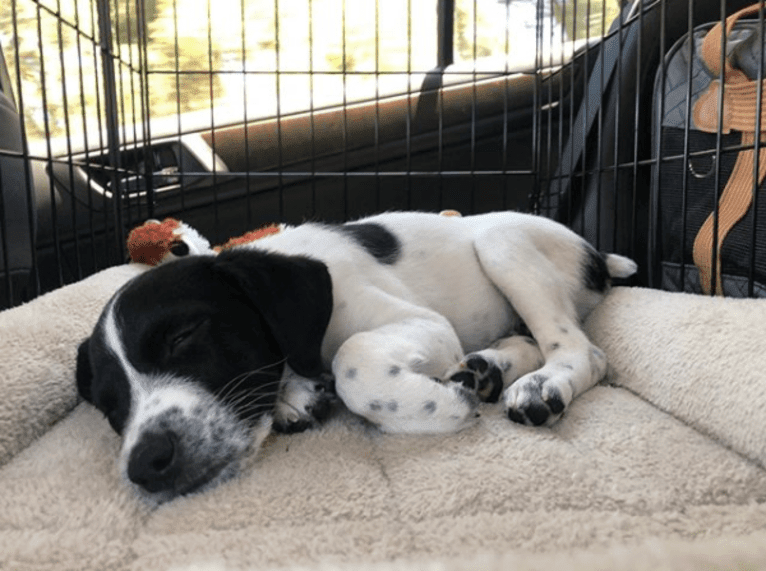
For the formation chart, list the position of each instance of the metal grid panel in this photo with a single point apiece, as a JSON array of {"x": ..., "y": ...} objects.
[{"x": 233, "y": 114}]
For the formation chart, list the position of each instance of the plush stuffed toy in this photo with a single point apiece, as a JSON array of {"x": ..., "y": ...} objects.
[{"x": 155, "y": 242}]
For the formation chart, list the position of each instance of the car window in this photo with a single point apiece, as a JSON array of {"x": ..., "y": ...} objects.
[{"x": 222, "y": 61}]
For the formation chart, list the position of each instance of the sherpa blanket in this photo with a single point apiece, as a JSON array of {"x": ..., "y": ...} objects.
[{"x": 661, "y": 466}]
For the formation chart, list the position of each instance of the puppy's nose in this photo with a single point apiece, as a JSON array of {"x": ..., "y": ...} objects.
[{"x": 155, "y": 462}]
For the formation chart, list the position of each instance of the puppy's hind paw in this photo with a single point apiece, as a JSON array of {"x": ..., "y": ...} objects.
[{"x": 479, "y": 375}]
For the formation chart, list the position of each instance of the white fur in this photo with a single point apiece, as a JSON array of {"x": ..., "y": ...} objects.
[
  {"x": 459, "y": 286},
  {"x": 404, "y": 334}
]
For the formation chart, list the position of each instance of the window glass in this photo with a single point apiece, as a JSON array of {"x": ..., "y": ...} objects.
[
  {"x": 266, "y": 56},
  {"x": 510, "y": 34},
  {"x": 219, "y": 61}
]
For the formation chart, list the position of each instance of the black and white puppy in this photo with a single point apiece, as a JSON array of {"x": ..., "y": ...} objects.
[{"x": 417, "y": 317}]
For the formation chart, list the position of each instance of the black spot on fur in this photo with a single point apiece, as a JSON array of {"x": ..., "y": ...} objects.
[
  {"x": 351, "y": 373},
  {"x": 430, "y": 407},
  {"x": 554, "y": 346},
  {"x": 392, "y": 406},
  {"x": 395, "y": 370},
  {"x": 595, "y": 273},
  {"x": 375, "y": 405},
  {"x": 379, "y": 242}
]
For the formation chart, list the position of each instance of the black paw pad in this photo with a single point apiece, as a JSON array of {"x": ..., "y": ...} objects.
[
  {"x": 515, "y": 416},
  {"x": 555, "y": 402},
  {"x": 293, "y": 427},
  {"x": 477, "y": 363},
  {"x": 481, "y": 376},
  {"x": 537, "y": 413},
  {"x": 324, "y": 406},
  {"x": 465, "y": 378}
]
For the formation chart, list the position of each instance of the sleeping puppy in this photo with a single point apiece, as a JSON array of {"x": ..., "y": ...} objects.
[{"x": 416, "y": 316}]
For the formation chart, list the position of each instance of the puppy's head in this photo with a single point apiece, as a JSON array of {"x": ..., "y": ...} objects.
[{"x": 185, "y": 361}]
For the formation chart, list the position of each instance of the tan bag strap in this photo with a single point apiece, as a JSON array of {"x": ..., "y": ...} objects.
[
  {"x": 740, "y": 99},
  {"x": 734, "y": 203},
  {"x": 710, "y": 51}
]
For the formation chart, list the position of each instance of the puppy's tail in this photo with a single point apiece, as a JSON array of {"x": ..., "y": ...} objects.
[{"x": 620, "y": 266}]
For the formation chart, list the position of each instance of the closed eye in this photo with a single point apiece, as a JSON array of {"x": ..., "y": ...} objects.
[{"x": 182, "y": 336}]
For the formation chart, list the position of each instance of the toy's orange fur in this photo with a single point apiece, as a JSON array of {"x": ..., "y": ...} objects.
[
  {"x": 150, "y": 242},
  {"x": 248, "y": 237}
]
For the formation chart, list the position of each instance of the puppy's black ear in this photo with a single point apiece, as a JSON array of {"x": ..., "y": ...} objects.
[
  {"x": 294, "y": 295},
  {"x": 84, "y": 374}
]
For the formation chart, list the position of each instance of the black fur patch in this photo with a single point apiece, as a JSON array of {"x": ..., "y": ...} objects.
[
  {"x": 379, "y": 242},
  {"x": 595, "y": 273}
]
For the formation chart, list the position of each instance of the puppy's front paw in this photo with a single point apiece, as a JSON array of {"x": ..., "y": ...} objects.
[
  {"x": 537, "y": 398},
  {"x": 304, "y": 404},
  {"x": 479, "y": 375}
]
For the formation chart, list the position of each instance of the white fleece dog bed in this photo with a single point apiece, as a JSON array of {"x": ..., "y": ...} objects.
[{"x": 661, "y": 466}]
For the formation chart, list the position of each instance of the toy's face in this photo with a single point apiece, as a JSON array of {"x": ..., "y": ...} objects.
[{"x": 183, "y": 366}]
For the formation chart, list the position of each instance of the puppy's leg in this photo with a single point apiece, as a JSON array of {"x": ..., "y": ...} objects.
[
  {"x": 302, "y": 403},
  {"x": 393, "y": 375},
  {"x": 547, "y": 273},
  {"x": 489, "y": 371}
]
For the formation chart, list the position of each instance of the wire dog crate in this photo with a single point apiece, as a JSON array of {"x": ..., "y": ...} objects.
[{"x": 237, "y": 113}]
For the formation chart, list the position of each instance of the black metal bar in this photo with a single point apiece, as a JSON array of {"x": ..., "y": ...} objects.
[
  {"x": 536, "y": 107},
  {"x": 112, "y": 119},
  {"x": 649, "y": 254},
  {"x": 245, "y": 119},
  {"x": 77, "y": 272},
  {"x": 211, "y": 87},
  {"x": 145, "y": 100},
  {"x": 472, "y": 166},
  {"x": 757, "y": 155},
  {"x": 686, "y": 149},
  {"x": 86, "y": 141},
  {"x": 573, "y": 76},
  {"x": 97, "y": 79},
  {"x": 344, "y": 116},
  {"x": 655, "y": 206},
  {"x": 4, "y": 249},
  {"x": 408, "y": 122},
  {"x": 376, "y": 134},
  {"x": 504, "y": 159},
  {"x": 277, "y": 76},
  {"x": 718, "y": 177},
  {"x": 177, "y": 63},
  {"x": 49, "y": 149},
  {"x": 28, "y": 187},
  {"x": 616, "y": 190},
  {"x": 445, "y": 22}
]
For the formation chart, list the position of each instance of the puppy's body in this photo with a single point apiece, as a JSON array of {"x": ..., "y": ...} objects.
[{"x": 414, "y": 314}]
